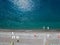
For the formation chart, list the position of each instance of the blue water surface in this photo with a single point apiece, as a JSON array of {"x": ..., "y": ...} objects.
[{"x": 29, "y": 14}]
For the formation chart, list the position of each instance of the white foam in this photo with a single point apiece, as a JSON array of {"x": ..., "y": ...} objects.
[{"x": 24, "y": 5}]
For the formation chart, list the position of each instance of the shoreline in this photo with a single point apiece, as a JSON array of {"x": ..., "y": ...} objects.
[{"x": 32, "y": 30}]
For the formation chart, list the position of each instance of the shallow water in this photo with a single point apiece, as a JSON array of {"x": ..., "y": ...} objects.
[{"x": 29, "y": 14}]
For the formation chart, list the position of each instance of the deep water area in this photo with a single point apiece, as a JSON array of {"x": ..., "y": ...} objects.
[{"x": 29, "y": 14}]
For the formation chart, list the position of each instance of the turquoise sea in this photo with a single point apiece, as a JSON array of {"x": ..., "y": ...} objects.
[{"x": 29, "y": 14}]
